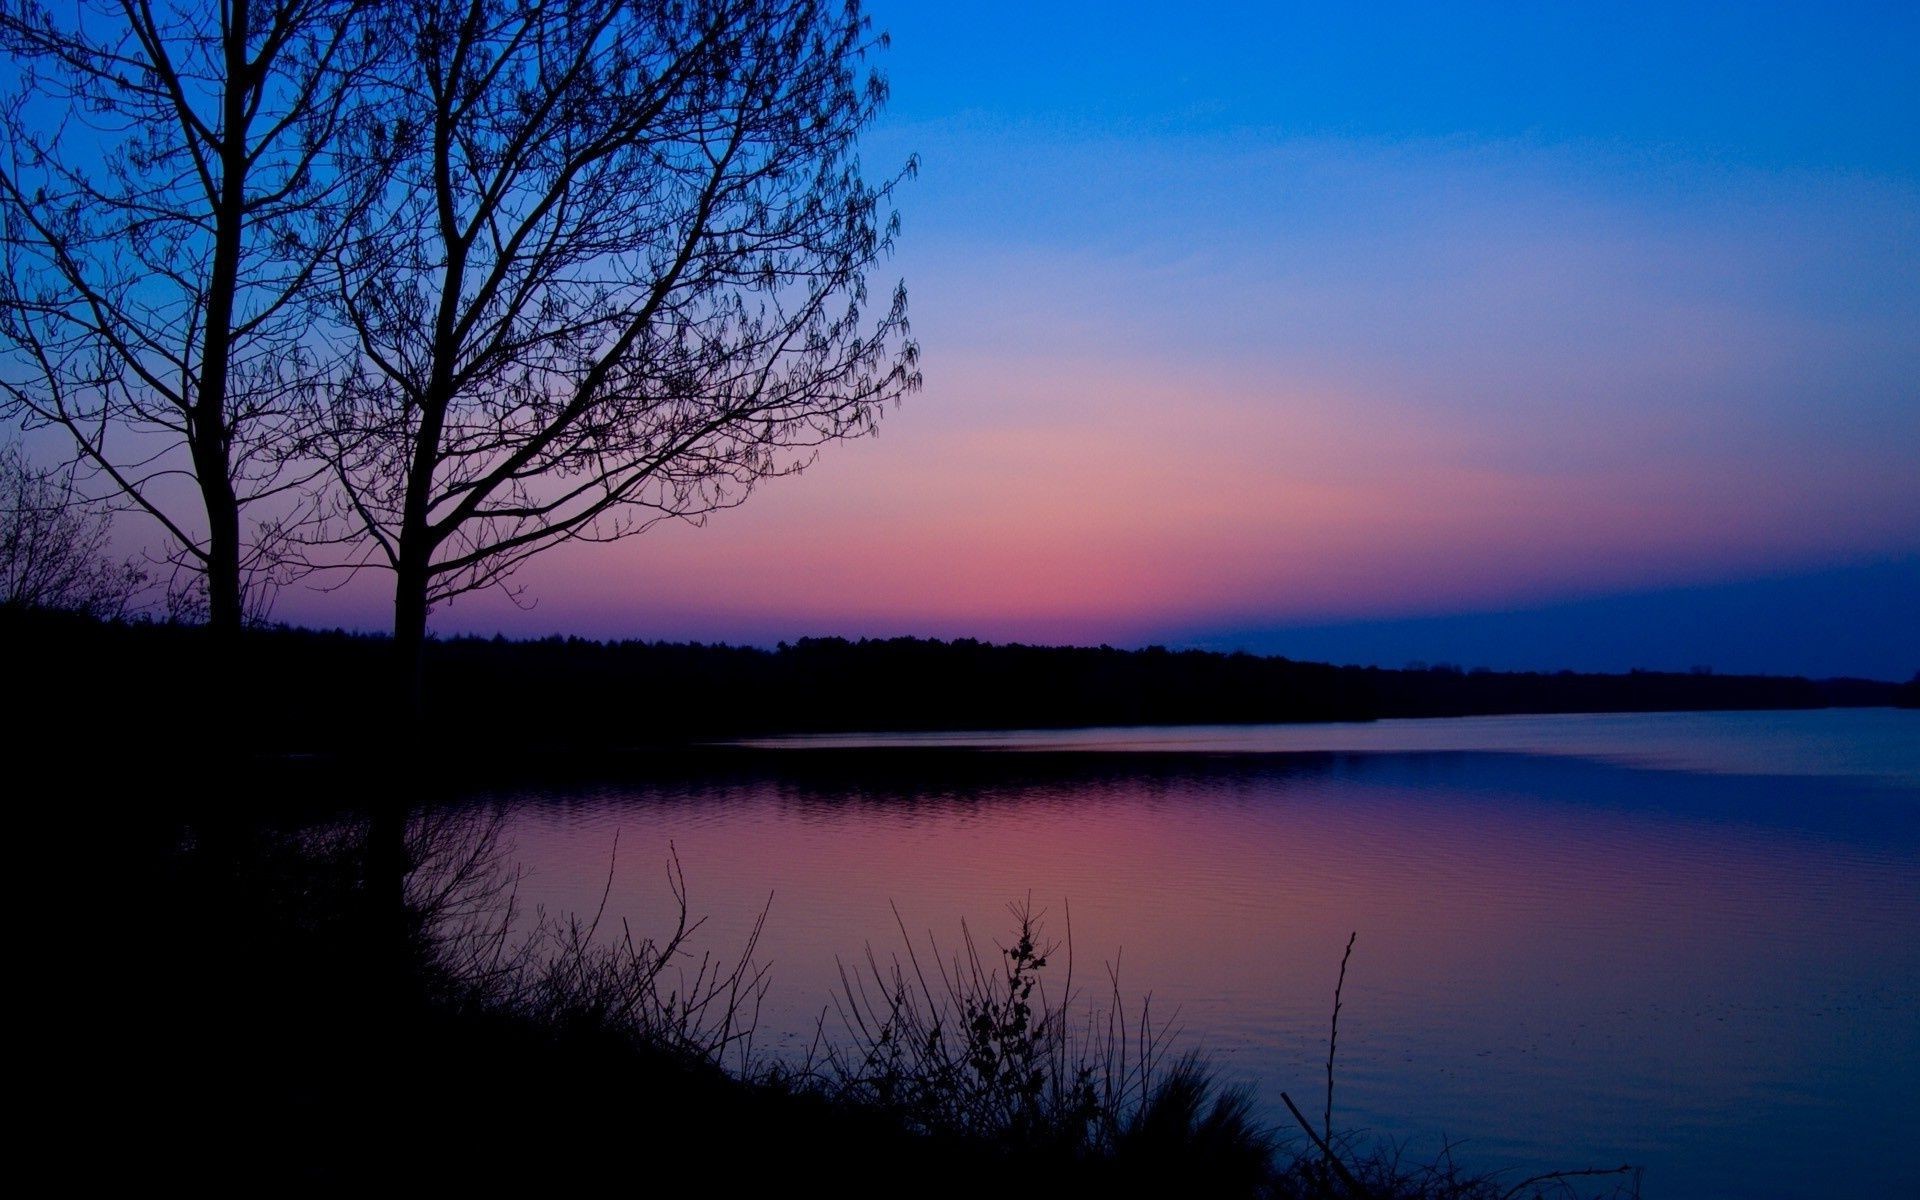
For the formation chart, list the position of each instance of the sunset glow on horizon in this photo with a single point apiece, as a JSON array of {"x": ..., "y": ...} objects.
[{"x": 1488, "y": 323}]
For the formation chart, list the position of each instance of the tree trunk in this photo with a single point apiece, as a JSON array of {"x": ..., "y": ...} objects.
[
  {"x": 207, "y": 434},
  {"x": 409, "y": 647},
  {"x": 226, "y": 604},
  {"x": 403, "y": 752}
]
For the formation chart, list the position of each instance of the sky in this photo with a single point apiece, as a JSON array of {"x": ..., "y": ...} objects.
[{"x": 1520, "y": 336}]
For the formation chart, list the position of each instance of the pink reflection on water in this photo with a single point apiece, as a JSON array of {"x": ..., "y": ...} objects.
[{"x": 1562, "y": 960}]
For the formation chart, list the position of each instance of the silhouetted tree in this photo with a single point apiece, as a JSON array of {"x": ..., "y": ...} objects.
[
  {"x": 171, "y": 181},
  {"x": 619, "y": 276},
  {"x": 53, "y": 546}
]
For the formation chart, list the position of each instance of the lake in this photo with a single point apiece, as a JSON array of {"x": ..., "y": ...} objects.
[{"x": 1687, "y": 941}]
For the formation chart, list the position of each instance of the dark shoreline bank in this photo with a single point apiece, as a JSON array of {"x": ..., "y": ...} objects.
[
  {"x": 274, "y": 1025},
  {"x": 290, "y": 691},
  {"x": 254, "y": 1023}
]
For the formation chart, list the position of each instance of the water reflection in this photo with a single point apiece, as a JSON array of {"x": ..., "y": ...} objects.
[
  {"x": 1563, "y": 959},
  {"x": 1880, "y": 745}
]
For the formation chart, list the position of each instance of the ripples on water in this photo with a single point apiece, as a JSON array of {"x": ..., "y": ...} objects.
[{"x": 1690, "y": 941}]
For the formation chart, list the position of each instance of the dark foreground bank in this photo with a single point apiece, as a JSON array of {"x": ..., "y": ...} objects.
[
  {"x": 265, "y": 1017},
  {"x": 302, "y": 691}
]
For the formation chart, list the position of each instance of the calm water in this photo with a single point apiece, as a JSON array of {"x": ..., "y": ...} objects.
[{"x": 1690, "y": 941}]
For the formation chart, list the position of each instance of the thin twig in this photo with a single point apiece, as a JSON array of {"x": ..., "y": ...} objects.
[
  {"x": 1516, "y": 1189},
  {"x": 1333, "y": 1040}
]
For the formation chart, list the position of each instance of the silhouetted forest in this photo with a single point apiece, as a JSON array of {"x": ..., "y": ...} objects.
[{"x": 319, "y": 692}]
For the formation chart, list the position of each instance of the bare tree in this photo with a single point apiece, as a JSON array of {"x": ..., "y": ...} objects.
[
  {"x": 172, "y": 180},
  {"x": 619, "y": 276},
  {"x": 54, "y": 545}
]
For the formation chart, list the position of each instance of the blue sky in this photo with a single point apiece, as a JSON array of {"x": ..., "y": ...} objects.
[
  {"x": 1829, "y": 86},
  {"x": 1286, "y": 325}
]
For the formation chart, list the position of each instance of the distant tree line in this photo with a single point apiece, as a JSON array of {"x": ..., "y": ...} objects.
[{"x": 311, "y": 689}]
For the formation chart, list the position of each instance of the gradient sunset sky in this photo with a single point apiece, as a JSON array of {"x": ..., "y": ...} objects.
[{"x": 1524, "y": 336}]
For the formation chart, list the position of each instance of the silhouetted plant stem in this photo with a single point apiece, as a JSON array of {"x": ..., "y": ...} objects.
[{"x": 1333, "y": 1041}]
